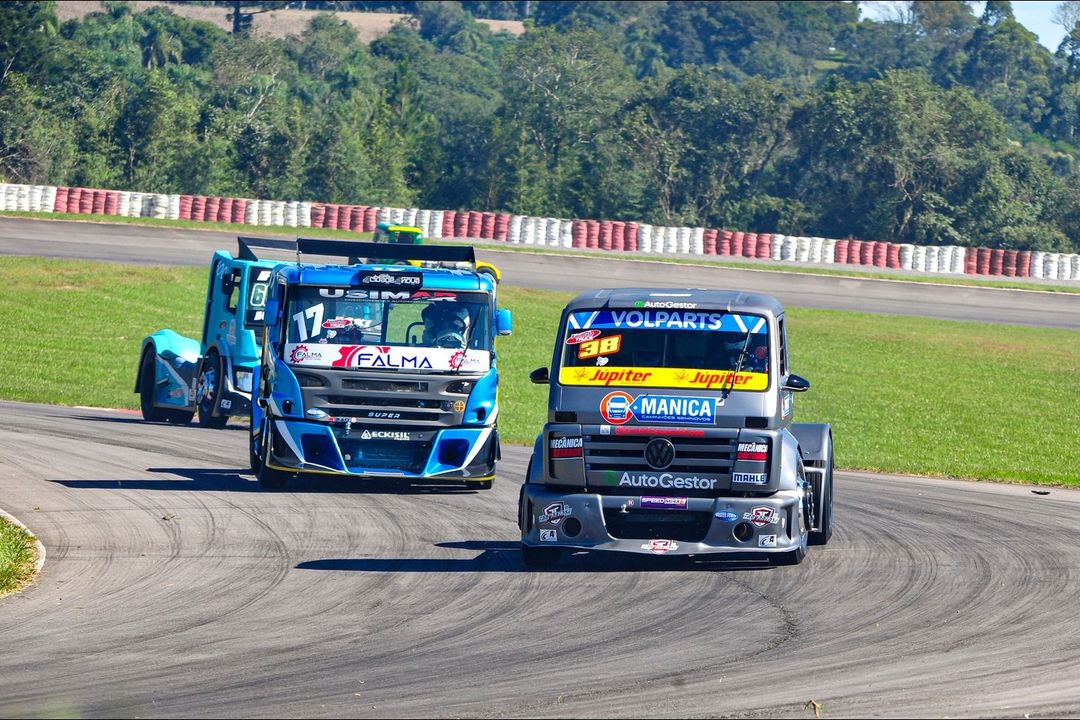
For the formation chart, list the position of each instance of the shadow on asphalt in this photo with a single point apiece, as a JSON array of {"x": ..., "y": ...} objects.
[
  {"x": 232, "y": 480},
  {"x": 137, "y": 420},
  {"x": 505, "y": 556}
]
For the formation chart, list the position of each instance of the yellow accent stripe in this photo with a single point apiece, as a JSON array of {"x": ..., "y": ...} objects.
[{"x": 650, "y": 377}]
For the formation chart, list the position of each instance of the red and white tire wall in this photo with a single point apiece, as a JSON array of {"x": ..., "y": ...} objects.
[{"x": 610, "y": 235}]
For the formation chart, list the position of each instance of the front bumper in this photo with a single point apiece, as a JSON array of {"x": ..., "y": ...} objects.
[
  {"x": 374, "y": 451},
  {"x": 665, "y": 525}
]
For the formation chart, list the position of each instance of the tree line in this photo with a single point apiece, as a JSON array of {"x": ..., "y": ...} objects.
[{"x": 933, "y": 127}]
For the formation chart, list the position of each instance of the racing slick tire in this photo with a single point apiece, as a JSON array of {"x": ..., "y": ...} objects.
[
  {"x": 211, "y": 380},
  {"x": 540, "y": 557},
  {"x": 254, "y": 453},
  {"x": 147, "y": 380},
  {"x": 822, "y": 535}
]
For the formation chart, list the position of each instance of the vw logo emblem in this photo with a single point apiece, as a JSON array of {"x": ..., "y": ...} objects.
[{"x": 659, "y": 453}]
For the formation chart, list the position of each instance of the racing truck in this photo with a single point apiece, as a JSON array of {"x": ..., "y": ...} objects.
[
  {"x": 179, "y": 376},
  {"x": 378, "y": 371},
  {"x": 670, "y": 432}
]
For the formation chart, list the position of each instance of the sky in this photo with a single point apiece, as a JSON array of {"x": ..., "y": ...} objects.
[{"x": 1035, "y": 15}]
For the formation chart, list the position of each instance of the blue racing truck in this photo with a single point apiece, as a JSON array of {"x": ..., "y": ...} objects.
[
  {"x": 378, "y": 371},
  {"x": 178, "y": 376}
]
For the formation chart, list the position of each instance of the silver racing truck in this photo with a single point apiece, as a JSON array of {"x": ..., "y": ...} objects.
[{"x": 670, "y": 432}]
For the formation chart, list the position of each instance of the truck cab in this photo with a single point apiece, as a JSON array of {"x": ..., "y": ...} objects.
[
  {"x": 179, "y": 377},
  {"x": 378, "y": 371},
  {"x": 670, "y": 432}
]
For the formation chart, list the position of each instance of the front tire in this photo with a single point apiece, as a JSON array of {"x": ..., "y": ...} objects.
[
  {"x": 822, "y": 536},
  {"x": 147, "y": 384},
  {"x": 210, "y": 388}
]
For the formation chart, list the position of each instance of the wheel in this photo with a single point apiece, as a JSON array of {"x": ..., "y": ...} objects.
[
  {"x": 269, "y": 479},
  {"x": 147, "y": 383},
  {"x": 490, "y": 273},
  {"x": 822, "y": 536},
  {"x": 540, "y": 557},
  {"x": 208, "y": 391},
  {"x": 254, "y": 453}
]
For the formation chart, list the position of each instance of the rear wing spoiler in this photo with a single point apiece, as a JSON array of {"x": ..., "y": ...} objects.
[
  {"x": 385, "y": 251},
  {"x": 246, "y": 246}
]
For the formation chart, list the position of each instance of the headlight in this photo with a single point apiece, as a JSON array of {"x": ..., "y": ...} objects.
[
  {"x": 460, "y": 387},
  {"x": 243, "y": 380}
]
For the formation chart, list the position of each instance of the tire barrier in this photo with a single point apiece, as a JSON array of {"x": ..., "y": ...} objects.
[{"x": 610, "y": 235}]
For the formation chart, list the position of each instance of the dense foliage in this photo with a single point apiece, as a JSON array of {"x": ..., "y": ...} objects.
[{"x": 936, "y": 127}]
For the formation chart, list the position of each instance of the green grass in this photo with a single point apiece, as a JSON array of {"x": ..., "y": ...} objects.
[
  {"x": 743, "y": 264},
  {"x": 16, "y": 557},
  {"x": 904, "y": 395}
]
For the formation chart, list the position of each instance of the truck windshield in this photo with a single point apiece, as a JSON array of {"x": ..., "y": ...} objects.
[
  {"x": 664, "y": 349},
  {"x": 452, "y": 330}
]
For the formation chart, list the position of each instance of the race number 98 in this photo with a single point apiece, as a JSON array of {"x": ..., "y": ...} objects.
[{"x": 601, "y": 346}]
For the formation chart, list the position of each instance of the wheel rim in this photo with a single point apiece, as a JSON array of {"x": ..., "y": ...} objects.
[{"x": 206, "y": 389}]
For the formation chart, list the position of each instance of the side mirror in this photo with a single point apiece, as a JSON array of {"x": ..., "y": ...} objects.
[
  {"x": 540, "y": 376},
  {"x": 796, "y": 383},
  {"x": 504, "y": 324}
]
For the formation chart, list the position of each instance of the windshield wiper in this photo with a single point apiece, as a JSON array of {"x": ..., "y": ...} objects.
[{"x": 738, "y": 367}]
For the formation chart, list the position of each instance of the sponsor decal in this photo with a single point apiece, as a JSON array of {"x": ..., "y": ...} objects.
[
  {"x": 766, "y": 541},
  {"x": 566, "y": 447},
  {"x": 762, "y": 515},
  {"x": 750, "y": 478},
  {"x": 754, "y": 452},
  {"x": 398, "y": 279},
  {"x": 786, "y": 397},
  {"x": 302, "y": 353},
  {"x": 584, "y": 336},
  {"x": 618, "y": 408},
  {"x": 380, "y": 415},
  {"x": 660, "y": 547},
  {"x": 601, "y": 361},
  {"x": 606, "y": 430},
  {"x": 663, "y": 320},
  {"x": 603, "y": 346},
  {"x": 615, "y": 407},
  {"x": 663, "y": 481},
  {"x": 176, "y": 392},
  {"x": 388, "y": 357},
  {"x": 687, "y": 378},
  {"x": 665, "y": 304},
  {"x": 726, "y": 516},
  {"x": 459, "y": 406},
  {"x": 555, "y": 513},
  {"x": 663, "y": 503},
  {"x": 338, "y": 323},
  {"x": 226, "y": 404},
  {"x": 548, "y": 536},
  {"x": 667, "y": 432},
  {"x": 385, "y": 435}
]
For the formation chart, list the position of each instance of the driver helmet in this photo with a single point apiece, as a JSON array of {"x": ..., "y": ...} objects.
[{"x": 445, "y": 324}]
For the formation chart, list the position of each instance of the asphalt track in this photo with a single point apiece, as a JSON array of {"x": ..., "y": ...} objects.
[
  {"x": 558, "y": 271},
  {"x": 175, "y": 588}
]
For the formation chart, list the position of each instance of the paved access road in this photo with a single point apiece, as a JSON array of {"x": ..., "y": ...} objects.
[
  {"x": 143, "y": 244},
  {"x": 174, "y": 588}
]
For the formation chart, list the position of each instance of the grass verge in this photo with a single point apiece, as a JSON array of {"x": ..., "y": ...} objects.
[
  {"x": 17, "y": 557},
  {"x": 904, "y": 395}
]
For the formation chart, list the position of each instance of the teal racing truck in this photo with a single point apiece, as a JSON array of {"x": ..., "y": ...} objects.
[
  {"x": 179, "y": 377},
  {"x": 378, "y": 371}
]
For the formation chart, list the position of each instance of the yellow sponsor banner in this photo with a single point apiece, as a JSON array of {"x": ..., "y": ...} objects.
[{"x": 689, "y": 378}]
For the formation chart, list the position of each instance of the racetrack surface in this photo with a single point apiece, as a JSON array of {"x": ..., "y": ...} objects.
[
  {"x": 175, "y": 588},
  {"x": 556, "y": 271}
]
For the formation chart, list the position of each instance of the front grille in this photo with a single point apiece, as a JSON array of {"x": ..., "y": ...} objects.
[
  {"x": 384, "y": 455},
  {"x": 411, "y": 399},
  {"x": 384, "y": 386},
  {"x": 692, "y": 454},
  {"x": 681, "y": 525}
]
